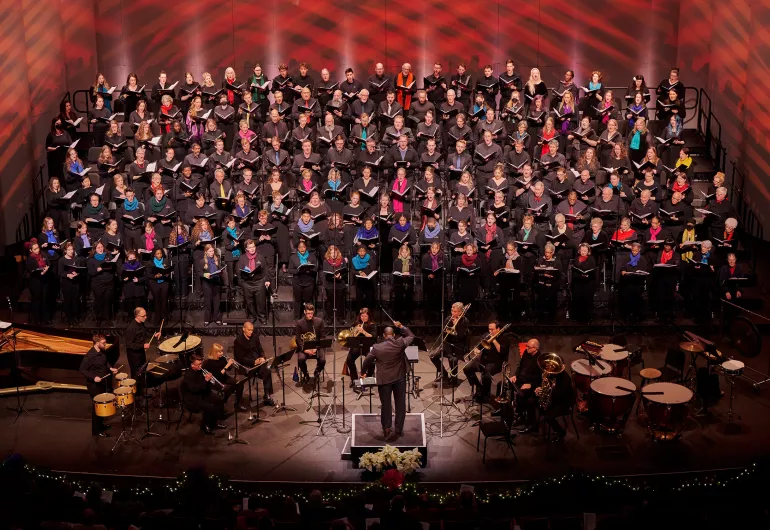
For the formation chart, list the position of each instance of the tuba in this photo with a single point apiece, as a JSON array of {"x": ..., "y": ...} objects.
[
  {"x": 505, "y": 385},
  {"x": 551, "y": 364}
]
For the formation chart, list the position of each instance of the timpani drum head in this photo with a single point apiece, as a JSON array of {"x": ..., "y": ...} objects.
[
  {"x": 170, "y": 345},
  {"x": 597, "y": 369},
  {"x": 673, "y": 394},
  {"x": 608, "y": 386},
  {"x": 609, "y": 354}
]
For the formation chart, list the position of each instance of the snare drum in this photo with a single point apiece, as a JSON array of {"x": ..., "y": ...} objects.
[
  {"x": 733, "y": 367},
  {"x": 104, "y": 405},
  {"x": 129, "y": 383},
  {"x": 123, "y": 396},
  {"x": 617, "y": 359},
  {"x": 668, "y": 411},
  {"x": 584, "y": 373},
  {"x": 182, "y": 350},
  {"x": 611, "y": 401}
]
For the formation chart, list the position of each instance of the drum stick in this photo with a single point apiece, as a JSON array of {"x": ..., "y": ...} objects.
[
  {"x": 629, "y": 390},
  {"x": 652, "y": 393},
  {"x": 159, "y": 331}
]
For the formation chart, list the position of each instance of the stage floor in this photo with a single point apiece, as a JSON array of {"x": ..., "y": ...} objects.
[{"x": 58, "y": 436}]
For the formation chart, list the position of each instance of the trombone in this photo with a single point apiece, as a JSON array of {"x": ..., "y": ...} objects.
[
  {"x": 450, "y": 328},
  {"x": 484, "y": 344}
]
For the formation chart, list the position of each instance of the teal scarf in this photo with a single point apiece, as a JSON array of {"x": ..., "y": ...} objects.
[
  {"x": 360, "y": 263},
  {"x": 303, "y": 258},
  {"x": 636, "y": 140}
]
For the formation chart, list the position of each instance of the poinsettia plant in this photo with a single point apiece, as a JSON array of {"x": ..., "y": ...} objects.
[{"x": 391, "y": 458}]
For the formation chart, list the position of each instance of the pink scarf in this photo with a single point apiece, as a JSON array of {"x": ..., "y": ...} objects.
[
  {"x": 398, "y": 206},
  {"x": 252, "y": 260},
  {"x": 149, "y": 244}
]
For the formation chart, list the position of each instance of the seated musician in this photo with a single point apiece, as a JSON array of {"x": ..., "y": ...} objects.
[
  {"x": 488, "y": 362},
  {"x": 454, "y": 344},
  {"x": 197, "y": 396},
  {"x": 528, "y": 376},
  {"x": 218, "y": 365},
  {"x": 363, "y": 328},
  {"x": 309, "y": 328},
  {"x": 562, "y": 398},
  {"x": 95, "y": 367},
  {"x": 248, "y": 351}
]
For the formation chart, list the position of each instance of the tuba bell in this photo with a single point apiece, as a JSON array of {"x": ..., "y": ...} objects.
[{"x": 551, "y": 365}]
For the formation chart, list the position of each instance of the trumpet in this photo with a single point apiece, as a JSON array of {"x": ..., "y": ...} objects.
[
  {"x": 484, "y": 344},
  {"x": 213, "y": 379},
  {"x": 235, "y": 363}
]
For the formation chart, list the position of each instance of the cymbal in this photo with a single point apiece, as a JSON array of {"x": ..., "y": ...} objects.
[{"x": 693, "y": 347}]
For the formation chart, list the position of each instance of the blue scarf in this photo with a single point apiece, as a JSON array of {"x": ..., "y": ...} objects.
[
  {"x": 305, "y": 228},
  {"x": 235, "y": 252},
  {"x": 205, "y": 235},
  {"x": 636, "y": 140},
  {"x": 179, "y": 239},
  {"x": 99, "y": 257},
  {"x": 526, "y": 233},
  {"x": 86, "y": 242},
  {"x": 131, "y": 265},
  {"x": 360, "y": 263},
  {"x": 404, "y": 228},
  {"x": 76, "y": 167},
  {"x": 635, "y": 108},
  {"x": 158, "y": 263},
  {"x": 334, "y": 184},
  {"x": 634, "y": 261},
  {"x": 432, "y": 234},
  {"x": 131, "y": 206},
  {"x": 594, "y": 86},
  {"x": 107, "y": 101},
  {"x": 242, "y": 212},
  {"x": 211, "y": 265},
  {"x": 280, "y": 209},
  {"x": 363, "y": 233},
  {"x": 704, "y": 258},
  {"x": 303, "y": 258},
  {"x": 595, "y": 236},
  {"x": 51, "y": 239}
]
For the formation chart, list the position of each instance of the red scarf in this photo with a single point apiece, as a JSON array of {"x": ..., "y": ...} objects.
[
  {"x": 732, "y": 271},
  {"x": 546, "y": 138},
  {"x": 154, "y": 188},
  {"x": 148, "y": 240},
  {"x": 166, "y": 110},
  {"x": 621, "y": 235},
  {"x": 39, "y": 259},
  {"x": 581, "y": 259},
  {"x": 230, "y": 93},
  {"x": 337, "y": 262},
  {"x": 654, "y": 233},
  {"x": 728, "y": 235},
  {"x": 572, "y": 212},
  {"x": 680, "y": 189},
  {"x": 491, "y": 233},
  {"x": 469, "y": 261},
  {"x": 404, "y": 98},
  {"x": 665, "y": 256}
]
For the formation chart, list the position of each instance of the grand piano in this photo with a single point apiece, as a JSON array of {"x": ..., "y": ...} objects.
[{"x": 46, "y": 358}]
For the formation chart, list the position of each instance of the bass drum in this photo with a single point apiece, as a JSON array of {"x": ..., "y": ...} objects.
[
  {"x": 667, "y": 411},
  {"x": 612, "y": 399}
]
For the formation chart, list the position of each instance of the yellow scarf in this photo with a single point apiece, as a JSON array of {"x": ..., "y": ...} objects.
[{"x": 688, "y": 235}]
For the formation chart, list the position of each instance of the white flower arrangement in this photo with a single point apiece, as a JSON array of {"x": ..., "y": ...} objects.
[{"x": 390, "y": 457}]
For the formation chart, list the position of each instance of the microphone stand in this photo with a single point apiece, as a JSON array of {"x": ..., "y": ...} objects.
[
  {"x": 282, "y": 407},
  {"x": 19, "y": 409}
]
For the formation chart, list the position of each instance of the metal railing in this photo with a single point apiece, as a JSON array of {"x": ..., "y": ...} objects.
[{"x": 36, "y": 208}]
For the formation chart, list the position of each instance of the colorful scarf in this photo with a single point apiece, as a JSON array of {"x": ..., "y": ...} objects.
[
  {"x": 130, "y": 206},
  {"x": 131, "y": 265},
  {"x": 636, "y": 140},
  {"x": 469, "y": 261},
  {"x": 337, "y": 262},
  {"x": 305, "y": 227},
  {"x": 157, "y": 206},
  {"x": 363, "y": 233},
  {"x": 398, "y": 206},
  {"x": 158, "y": 263},
  {"x": 665, "y": 256},
  {"x": 303, "y": 257},
  {"x": 432, "y": 234},
  {"x": 100, "y": 257},
  {"x": 149, "y": 244},
  {"x": 634, "y": 261},
  {"x": 404, "y": 228},
  {"x": 51, "y": 239},
  {"x": 235, "y": 252},
  {"x": 361, "y": 263}
]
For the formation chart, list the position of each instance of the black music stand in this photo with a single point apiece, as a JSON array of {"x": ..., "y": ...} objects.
[
  {"x": 279, "y": 361},
  {"x": 310, "y": 345},
  {"x": 19, "y": 409},
  {"x": 254, "y": 419},
  {"x": 143, "y": 375},
  {"x": 236, "y": 439}
]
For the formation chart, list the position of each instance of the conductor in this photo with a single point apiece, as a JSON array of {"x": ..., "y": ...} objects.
[{"x": 392, "y": 367}]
